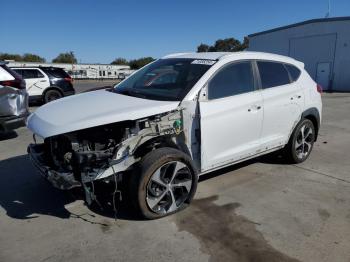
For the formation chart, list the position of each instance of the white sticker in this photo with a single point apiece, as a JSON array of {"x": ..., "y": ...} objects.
[{"x": 203, "y": 62}]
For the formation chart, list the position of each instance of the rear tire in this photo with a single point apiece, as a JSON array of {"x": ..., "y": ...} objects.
[
  {"x": 301, "y": 142},
  {"x": 52, "y": 95},
  {"x": 164, "y": 183}
]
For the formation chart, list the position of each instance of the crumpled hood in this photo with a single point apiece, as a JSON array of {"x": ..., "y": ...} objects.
[{"x": 92, "y": 109}]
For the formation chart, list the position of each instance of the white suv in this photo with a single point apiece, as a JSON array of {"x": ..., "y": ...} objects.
[
  {"x": 46, "y": 84},
  {"x": 177, "y": 118}
]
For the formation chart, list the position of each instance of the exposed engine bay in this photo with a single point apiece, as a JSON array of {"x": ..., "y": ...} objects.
[{"x": 102, "y": 153}]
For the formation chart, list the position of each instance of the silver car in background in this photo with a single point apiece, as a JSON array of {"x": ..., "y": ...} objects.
[{"x": 13, "y": 99}]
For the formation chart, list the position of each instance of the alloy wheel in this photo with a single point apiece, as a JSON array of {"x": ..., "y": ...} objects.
[
  {"x": 52, "y": 97},
  {"x": 304, "y": 141},
  {"x": 169, "y": 187}
]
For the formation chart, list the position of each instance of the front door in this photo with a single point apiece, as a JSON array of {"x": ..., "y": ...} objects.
[
  {"x": 323, "y": 74},
  {"x": 231, "y": 116}
]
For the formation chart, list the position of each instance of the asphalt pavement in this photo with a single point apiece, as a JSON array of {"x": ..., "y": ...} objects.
[
  {"x": 260, "y": 210},
  {"x": 86, "y": 85}
]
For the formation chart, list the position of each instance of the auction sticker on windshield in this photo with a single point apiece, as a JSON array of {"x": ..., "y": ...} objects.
[{"x": 203, "y": 62}]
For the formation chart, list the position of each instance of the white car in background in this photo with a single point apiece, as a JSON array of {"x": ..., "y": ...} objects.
[
  {"x": 177, "y": 118},
  {"x": 46, "y": 84}
]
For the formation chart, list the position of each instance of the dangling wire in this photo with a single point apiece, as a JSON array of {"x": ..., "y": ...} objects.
[
  {"x": 95, "y": 197},
  {"x": 116, "y": 176}
]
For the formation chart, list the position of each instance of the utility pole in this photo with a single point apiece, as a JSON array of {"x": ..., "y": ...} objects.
[{"x": 329, "y": 9}]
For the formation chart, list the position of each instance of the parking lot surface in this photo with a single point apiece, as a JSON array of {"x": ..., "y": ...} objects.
[
  {"x": 260, "y": 210},
  {"x": 85, "y": 85}
]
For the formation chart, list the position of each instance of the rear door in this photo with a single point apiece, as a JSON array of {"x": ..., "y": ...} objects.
[
  {"x": 283, "y": 102},
  {"x": 36, "y": 81},
  {"x": 231, "y": 116},
  {"x": 323, "y": 74}
]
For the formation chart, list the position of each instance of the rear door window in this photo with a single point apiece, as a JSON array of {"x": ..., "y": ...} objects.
[
  {"x": 273, "y": 74},
  {"x": 31, "y": 73},
  {"x": 18, "y": 71},
  {"x": 4, "y": 76},
  {"x": 233, "y": 79},
  {"x": 57, "y": 72},
  {"x": 294, "y": 72}
]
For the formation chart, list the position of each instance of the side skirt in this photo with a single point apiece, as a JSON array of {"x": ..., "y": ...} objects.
[{"x": 242, "y": 160}]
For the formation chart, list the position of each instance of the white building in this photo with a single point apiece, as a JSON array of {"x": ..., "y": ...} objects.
[
  {"x": 322, "y": 44},
  {"x": 84, "y": 71}
]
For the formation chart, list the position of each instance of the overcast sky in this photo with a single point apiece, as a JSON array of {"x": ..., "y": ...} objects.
[{"x": 99, "y": 31}]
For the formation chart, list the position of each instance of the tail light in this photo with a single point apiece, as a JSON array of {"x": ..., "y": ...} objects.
[
  {"x": 68, "y": 79},
  {"x": 319, "y": 88},
  {"x": 16, "y": 83}
]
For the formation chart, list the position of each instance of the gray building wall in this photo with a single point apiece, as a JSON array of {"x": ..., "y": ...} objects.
[{"x": 314, "y": 43}]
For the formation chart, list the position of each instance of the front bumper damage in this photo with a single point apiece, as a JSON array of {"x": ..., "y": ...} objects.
[
  {"x": 66, "y": 180},
  {"x": 87, "y": 166},
  {"x": 59, "y": 179}
]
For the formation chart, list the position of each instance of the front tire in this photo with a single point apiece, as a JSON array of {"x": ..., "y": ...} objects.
[
  {"x": 301, "y": 142},
  {"x": 164, "y": 183}
]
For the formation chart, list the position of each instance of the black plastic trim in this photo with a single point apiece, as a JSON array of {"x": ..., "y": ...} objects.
[{"x": 12, "y": 123}]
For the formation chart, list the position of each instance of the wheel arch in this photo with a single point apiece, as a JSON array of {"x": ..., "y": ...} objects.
[
  {"x": 314, "y": 116},
  {"x": 160, "y": 142},
  {"x": 52, "y": 88},
  {"x": 138, "y": 184}
]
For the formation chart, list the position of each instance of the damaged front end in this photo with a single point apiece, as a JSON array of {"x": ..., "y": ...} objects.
[{"x": 103, "y": 153}]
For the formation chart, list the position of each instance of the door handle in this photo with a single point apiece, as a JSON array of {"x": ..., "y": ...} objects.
[{"x": 42, "y": 81}]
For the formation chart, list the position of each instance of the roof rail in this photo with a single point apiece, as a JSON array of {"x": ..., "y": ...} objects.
[
  {"x": 176, "y": 54},
  {"x": 224, "y": 55}
]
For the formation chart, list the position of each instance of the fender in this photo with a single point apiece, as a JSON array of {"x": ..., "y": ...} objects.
[
  {"x": 53, "y": 88},
  {"x": 313, "y": 114}
]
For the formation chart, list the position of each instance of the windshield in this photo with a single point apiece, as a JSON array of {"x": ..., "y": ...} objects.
[{"x": 165, "y": 79}]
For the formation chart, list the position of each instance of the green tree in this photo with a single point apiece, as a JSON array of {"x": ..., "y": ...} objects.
[
  {"x": 138, "y": 63},
  {"x": 202, "y": 48},
  {"x": 245, "y": 43},
  {"x": 225, "y": 45},
  {"x": 6, "y": 56},
  {"x": 120, "y": 61},
  {"x": 68, "y": 58},
  {"x": 32, "y": 58}
]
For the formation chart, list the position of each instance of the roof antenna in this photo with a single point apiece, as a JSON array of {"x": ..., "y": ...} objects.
[{"x": 329, "y": 9}]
